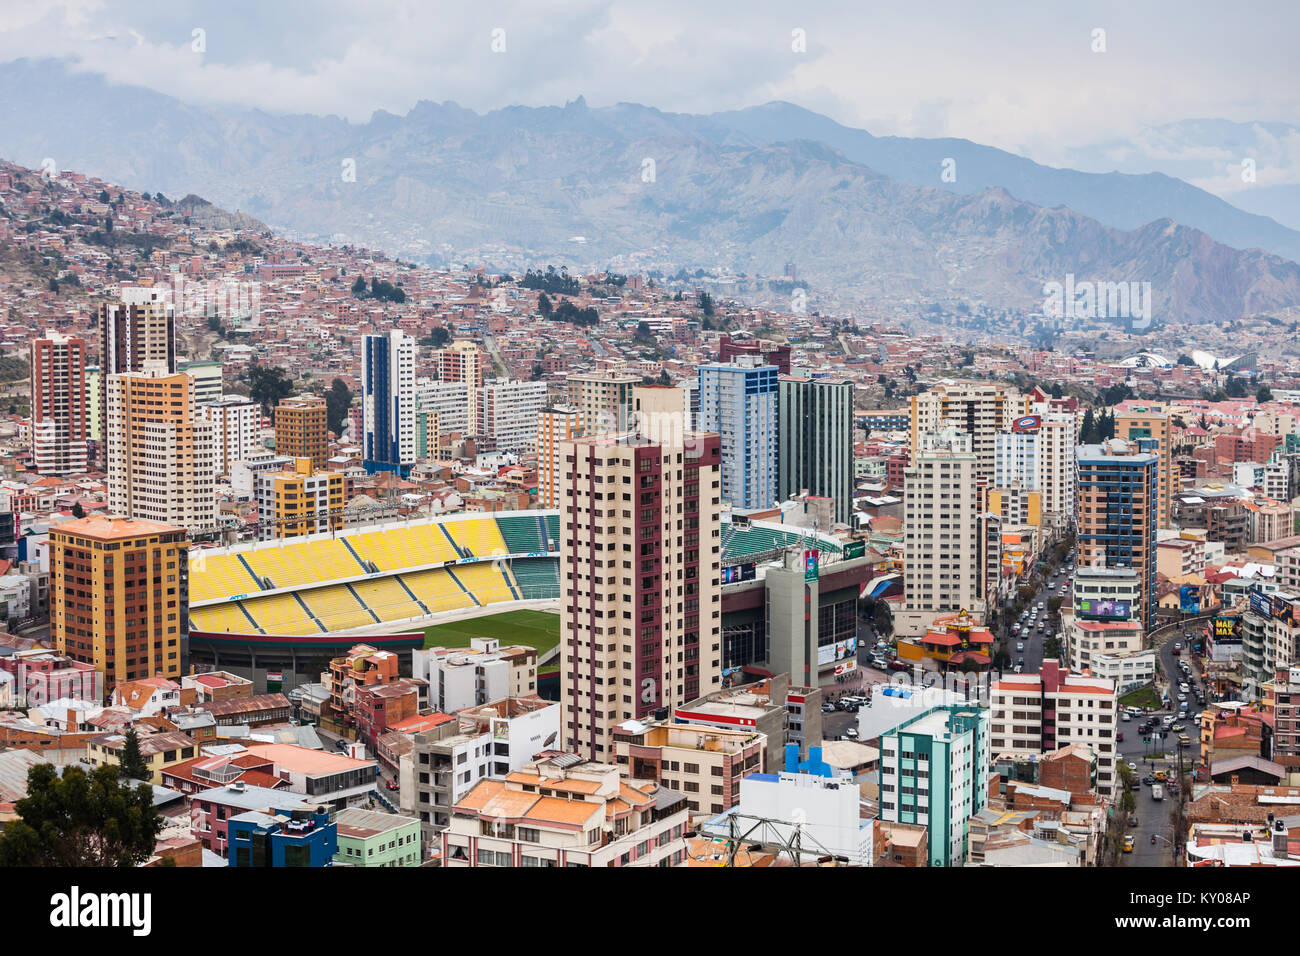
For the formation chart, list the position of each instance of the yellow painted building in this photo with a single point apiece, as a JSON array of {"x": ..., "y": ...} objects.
[
  {"x": 298, "y": 502},
  {"x": 118, "y": 595}
]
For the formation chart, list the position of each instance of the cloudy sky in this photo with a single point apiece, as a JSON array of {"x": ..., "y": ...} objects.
[{"x": 1025, "y": 76}]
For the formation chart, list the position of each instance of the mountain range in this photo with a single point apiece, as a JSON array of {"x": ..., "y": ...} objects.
[{"x": 864, "y": 218}]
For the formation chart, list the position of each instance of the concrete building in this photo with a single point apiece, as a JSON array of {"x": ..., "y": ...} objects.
[
  {"x": 704, "y": 764},
  {"x": 554, "y": 425},
  {"x": 162, "y": 456},
  {"x": 388, "y": 402},
  {"x": 563, "y": 811},
  {"x": 808, "y": 802},
  {"x": 657, "y": 617},
  {"x": 944, "y": 533},
  {"x": 483, "y": 672},
  {"x": 1037, "y": 713},
  {"x": 139, "y": 328},
  {"x": 209, "y": 387},
  {"x": 368, "y": 838},
  {"x": 301, "y": 429},
  {"x": 236, "y": 427},
  {"x": 60, "y": 422},
  {"x": 1037, "y": 455},
  {"x": 507, "y": 411},
  {"x": 979, "y": 409},
  {"x": 1087, "y": 637},
  {"x": 604, "y": 398},
  {"x": 739, "y": 402},
  {"x": 119, "y": 596},
  {"x": 298, "y": 501},
  {"x": 1117, "y": 514},
  {"x": 934, "y": 772},
  {"x": 815, "y": 452},
  {"x": 1143, "y": 423},
  {"x": 491, "y": 740},
  {"x": 460, "y": 361}
]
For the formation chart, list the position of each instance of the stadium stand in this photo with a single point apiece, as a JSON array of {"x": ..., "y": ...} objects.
[
  {"x": 398, "y": 547},
  {"x": 759, "y": 539},
  {"x": 480, "y": 537},
  {"x": 221, "y": 617},
  {"x": 219, "y": 576},
  {"x": 303, "y": 562},
  {"x": 485, "y": 582},
  {"x": 387, "y": 598},
  {"x": 523, "y": 535},
  {"x": 437, "y": 590},
  {"x": 336, "y": 607},
  {"x": 281, "y": 614},
  {"x": 537, "y": 578}
]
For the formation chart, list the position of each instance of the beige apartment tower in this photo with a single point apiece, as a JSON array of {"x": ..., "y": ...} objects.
[
  {"x": 162, "y": 458},
  {"x": 640, "y": 560}
]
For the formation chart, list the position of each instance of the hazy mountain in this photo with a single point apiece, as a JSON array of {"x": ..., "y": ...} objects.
[
  {"x": 1125, "y": 200},
  {"x": 640, "y": 186}
]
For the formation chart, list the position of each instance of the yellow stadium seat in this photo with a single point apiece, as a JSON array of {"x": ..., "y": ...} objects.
[
  {"x": 484, "y": 581},
  {"x": 218, "y": 576},
  {"x": 480, "y": 535},
  {"x": 220, "y": 618},
  {"x": 437, "y": 591},
  {"x": 387, "y": 598},
  {"x": 303, "y": 562},
  {"x": 336, "y": 608},
  {"x": 280, "y": 614},
  {"x": 391, "y": 549}
]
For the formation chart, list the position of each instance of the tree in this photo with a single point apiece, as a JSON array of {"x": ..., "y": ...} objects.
[
  {"x": 884, "y": 619},
  {"x": 77, "y": 510},
  {"x": 267, "y": 385},
  {"x": 1088, "y": 431},
  {"x": 1185, "y": 359},
  {"x": 1236, "y": 386},
  {"x": 81, "y": 819},
  {"x": 1264, "y": 394},
  {"x": 131, "y": 764},
  {"x": 544, "y": 305},
  {"x": 706, "y": 305},
  {"x": 337, "y": 402},
  {"x": 359, "y": 287},
  {"x": 438, "y": 337}
]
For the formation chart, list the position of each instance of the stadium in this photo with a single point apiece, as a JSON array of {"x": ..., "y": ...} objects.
[{"x": 295, "y": 602}]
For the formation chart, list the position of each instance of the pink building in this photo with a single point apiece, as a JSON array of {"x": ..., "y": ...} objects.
[{"x": 43, "y": 676}]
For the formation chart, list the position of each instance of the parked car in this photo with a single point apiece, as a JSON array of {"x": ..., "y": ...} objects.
[{"x": 393, "y": 785}]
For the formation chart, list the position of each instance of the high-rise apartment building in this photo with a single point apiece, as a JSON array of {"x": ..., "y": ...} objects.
[
  {"x": 604, "y": 398},
  {"x": 1136, "y": 423},
  {"x": 816, "y": 442},
  {"x": 944, "y": 533},
  {"x": 451, "y": 402},
  {"x": 388, "y": 402},
  {"x": 139, "y": 328},
  {"x": 1037, "y": 455},
  {"x": 640, "y": 561},
  {"x": 119, "y": 596},
  {"x": 554, "y": 425},
  {"x": 162, "y": 457},
  {"x": 298, "y": 501},
  {"x": 301, "y": 427},
  {"x": 460, "y": 362},
  {"x": 1118, "y": 495},
  {"x": 739, "y": 402},
  {"x": 237, "y": 424},
  {"x": 507, "y": 411},
  {"x": 60, "y": 426},
  {"x": 979, "y": 409}
]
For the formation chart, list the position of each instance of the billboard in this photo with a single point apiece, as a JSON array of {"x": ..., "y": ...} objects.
[
  {"x": 837, "y": 652},
  {"x": 1284, "y": 611},
  {"x": 738, "y": 572},
  {"x": 1225, "y": 627},
  {"x": 1027, "y": 423},
  {"x": 810, "y": 558},
  {"x": 1114, "y": 610},
  {"x": 1261, "y": 604},
  {"x": 1189, "y": 599},
  {"x": 855, "y": 549}
]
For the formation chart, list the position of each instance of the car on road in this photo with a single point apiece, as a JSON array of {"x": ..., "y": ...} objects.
[
  {"x": 1178, "y": 728},
  {"x": 1133, "y": 820},
  {"x": 851, "y": 733},
  {"x": 1128, "y": 844},
  {"x": 828, "y": 708},
  {"x": 1020, "y": 645},
  {"x": 393, "y": 785},
  {"x": 1148, "y": 780},
  {"x": 897, "y": 665},
  {"x": 1178, "y": 648},
  {"x": 1119, "y": 737}
]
